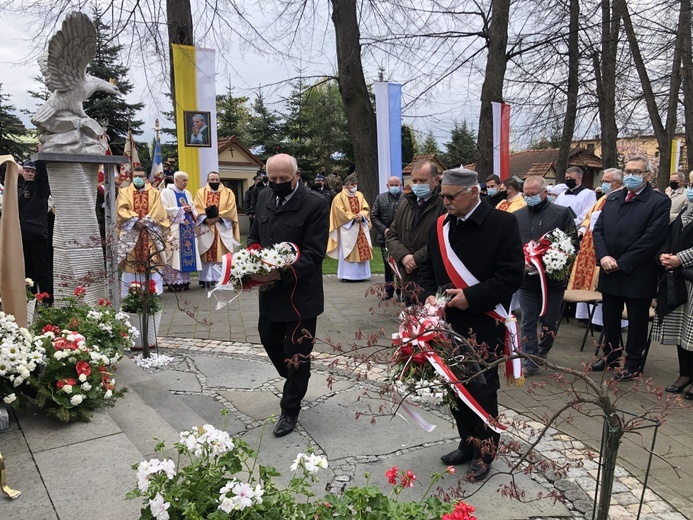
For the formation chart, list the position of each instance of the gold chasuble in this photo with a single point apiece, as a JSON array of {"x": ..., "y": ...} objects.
[
  {"x": 224, "y": 236},
  {"x": 585, "y": 264},
  {"x": 355, "y": 244}
]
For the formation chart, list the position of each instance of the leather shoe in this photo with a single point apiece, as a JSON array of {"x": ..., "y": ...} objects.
[
  {"x": 285, "y": 425},
  {"x": 457, "y": 457},
  {"x": 688, "y": 396},
  {"x": 673, "y": 389},
  {"x": 599, "y": 366},
  {"x": 478, "y": 470},
  {"x": 625, "y": 375}
]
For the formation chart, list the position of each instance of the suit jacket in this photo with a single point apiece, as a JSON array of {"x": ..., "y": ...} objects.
[
  {"x": 632, "y": 233},
  {"x": 489, "y": 245},
  {"x": 303, "y": 221}
]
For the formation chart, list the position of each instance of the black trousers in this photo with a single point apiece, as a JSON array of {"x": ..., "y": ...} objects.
[
  {"x": 474, "y": 434},
  {"x": 389, "y": 275},
  {"x": 638, "y": 322},
  {"x": 38, "y": 265},
  {"x": 281, "y": 342},
  {"x": 685, "y": 361}
]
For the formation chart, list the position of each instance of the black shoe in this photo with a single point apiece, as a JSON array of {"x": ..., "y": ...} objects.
[
  {"x": 457, "y": 457},
  {"x": 478, "y": 470},
  {"x": 285, "y": 425},
  {"x": 688, "y": 396},
  {"x": 673, "y": 389},
  {"x": 625, "y": 375},
  {"x": 599, "y": 366}
]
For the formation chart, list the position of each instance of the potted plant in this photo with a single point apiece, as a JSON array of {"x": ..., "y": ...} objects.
[{"x": 145, "y": 310}]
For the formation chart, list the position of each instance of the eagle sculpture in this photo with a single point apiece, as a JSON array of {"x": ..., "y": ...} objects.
[{"x": 62, "y": 119}]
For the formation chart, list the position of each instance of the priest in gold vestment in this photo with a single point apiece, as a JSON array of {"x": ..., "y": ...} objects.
[
  {"x": 219, "y": 233},
  {"x": 350, "y": 241},
  {"x": 142, "y": 225}
]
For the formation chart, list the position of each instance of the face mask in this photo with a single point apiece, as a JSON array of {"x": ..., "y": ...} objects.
[
  {"x": 492, "y": 192},
  {"x": 282, "y": 189},
  {"x": 689, "y": 193},
  {"x": 318, "y": 185},
  {"x": 632, "y": 181},
  {"x": 606, "y": 187},
  {"x": 533, "y": 200},
  {"x": 421, "y": 190},
  {"x": 394, "y": 190},
  {"x": 138, "y": 182},
  {"x": 551, "y": 198},
  {"x": 570, "y": 183},
  {"x": 214, "y": 185},
  {"x": 353, "y": 190},
  {"x": 674, "y": 185}
]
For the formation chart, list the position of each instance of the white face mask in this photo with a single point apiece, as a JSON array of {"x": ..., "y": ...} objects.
[{"x": 353, "y": 190}]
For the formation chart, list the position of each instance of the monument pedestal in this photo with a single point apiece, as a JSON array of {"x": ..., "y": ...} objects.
[{"x": 78, "y": 256}]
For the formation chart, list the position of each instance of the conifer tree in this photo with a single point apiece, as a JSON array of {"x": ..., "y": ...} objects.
[
  {"x": 461, "y": 149},
  {"x": 430, "y": 145},
  {"x": 264, "y": 128},
  {"x": 11, "y": 131},
  {"x": 233, "y": 116}
]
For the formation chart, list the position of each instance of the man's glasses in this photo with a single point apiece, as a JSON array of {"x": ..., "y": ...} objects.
[{"x": 451, "y": 197}]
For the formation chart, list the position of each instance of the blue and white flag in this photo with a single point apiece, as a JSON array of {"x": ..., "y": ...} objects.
[
  {"x": 388, "y": 111},
  {"x": 156, "y": 176}
]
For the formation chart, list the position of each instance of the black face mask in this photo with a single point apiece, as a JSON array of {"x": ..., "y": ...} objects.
[
  {"x": 674, "y": 185},
  {"x": 570, "y": 183},
  {"x": 214, "y": 185},
  {"x": 281, "y": 189}
]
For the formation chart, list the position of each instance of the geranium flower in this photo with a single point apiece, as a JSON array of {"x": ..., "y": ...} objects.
[
  {"x": 41, "y": 296},
  {"x": 80, "y": 291},
  {"x": 158, "y": 506},
  {"x": 408, "y": 479},
  {"x": 104, "y": 302},
  {"x": 391, "y": 475},
  {"x": 152, "y": 287}
]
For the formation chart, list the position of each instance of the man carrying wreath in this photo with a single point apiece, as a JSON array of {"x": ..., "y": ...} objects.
[
  {"x": 476, "y": 249},
  {"x": 219, "y": 233}
]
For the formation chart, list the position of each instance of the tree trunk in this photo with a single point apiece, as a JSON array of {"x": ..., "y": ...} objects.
[
  {"x": 180, "y": 32},
  {"x": 687, "y": 80},
  {"x": 606, "y": 82},
  {"x": 664, "y": 134},
  {"x": 492, "y": 88},
  {"x": 572, "y": 95},
  {"x": 357, "y": 104}
]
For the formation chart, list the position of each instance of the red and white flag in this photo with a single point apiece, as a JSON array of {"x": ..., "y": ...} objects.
[
  {"x": 501, "y": 139},
  {"x": 130, "y": 151}
]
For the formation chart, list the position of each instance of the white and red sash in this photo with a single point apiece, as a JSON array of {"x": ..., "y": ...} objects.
[{"x": 462, "y": 278}]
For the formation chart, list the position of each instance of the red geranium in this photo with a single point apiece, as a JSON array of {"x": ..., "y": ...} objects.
[
  {"x": 80, "y": 291},
  {"x": 104, "y": 303},
  {"x": 41, "y": 296},
  {"x": 462, "y": 512},
  {"x": 152, "y": 287},
  {"x": 83, "y": 367},
  {"x": 408, "y": 479},
  {"x": 391, "y": 475}
]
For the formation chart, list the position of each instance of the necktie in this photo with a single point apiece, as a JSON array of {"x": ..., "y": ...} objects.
[
  {"x": 280, "y": 201},
  {"x": 630, "y": 196},
  {"x": 421, "y": 202}
]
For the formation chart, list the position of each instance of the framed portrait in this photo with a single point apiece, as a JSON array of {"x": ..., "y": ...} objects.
[{"x": 197, "y": 132}]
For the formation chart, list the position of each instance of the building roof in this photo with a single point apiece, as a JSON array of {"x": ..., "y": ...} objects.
[
  {"x": 522, "y": 162},
  {"x": 418, "y": 158},
  {"x": 541, "y": 169},
  {"x": 226, "y": 143}
]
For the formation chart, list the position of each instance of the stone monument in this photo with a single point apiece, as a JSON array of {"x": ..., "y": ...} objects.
[{"x": 71, "y": 149}]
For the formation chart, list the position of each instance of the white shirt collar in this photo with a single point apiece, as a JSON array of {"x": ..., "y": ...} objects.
[{"x": 466, "y": 217}]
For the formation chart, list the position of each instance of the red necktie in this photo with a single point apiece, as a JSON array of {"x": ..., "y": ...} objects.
[{"x": 630, "y": 196}]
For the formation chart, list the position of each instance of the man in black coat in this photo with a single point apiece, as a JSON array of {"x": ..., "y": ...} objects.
[
  {"x": 535, "y": 220},
  {"x": 291, "y": 303},
  {"x": 487, "y": 242},
  {"x": 631, "y": 228},
  {"x": 382, "y": 215},
  {"x": 33, "y": 219}
]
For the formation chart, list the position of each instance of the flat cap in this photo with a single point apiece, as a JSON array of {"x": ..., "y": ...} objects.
[{"x": 460, "y": 177}]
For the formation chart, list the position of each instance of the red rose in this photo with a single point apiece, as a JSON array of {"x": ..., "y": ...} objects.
[{"x": 83, "y": 367}]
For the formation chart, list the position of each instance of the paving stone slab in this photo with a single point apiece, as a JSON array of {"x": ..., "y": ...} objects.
[
  {"x": 23, "y": 475},
  {"x": 317, "y": 386},
  {"x": 90, "y": 479},
  {"x": 176, "y": 381},
  {"x": 332, "y": 423},
  {"x": 233, "y": 373},
  {"x": 209, "y": 409},
  {"x": 258, "y": 405}
]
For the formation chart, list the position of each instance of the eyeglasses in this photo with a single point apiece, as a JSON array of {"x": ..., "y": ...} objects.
[
  {"x": 451, "y": 197},
  {"x": 635, "y": 172}
]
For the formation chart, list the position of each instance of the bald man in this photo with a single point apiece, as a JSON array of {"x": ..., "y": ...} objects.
[
  {"x": 184, "y": 257},
  {"x": 382, "y": 215},
  {"x": 293, "y": 298}
]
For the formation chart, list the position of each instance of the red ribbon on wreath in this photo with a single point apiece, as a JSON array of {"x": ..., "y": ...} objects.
[{"x": 534, "y": 251}]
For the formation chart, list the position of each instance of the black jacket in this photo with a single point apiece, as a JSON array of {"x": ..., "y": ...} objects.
[
  {"x": 489, "y": 246},
  {"x": 33, "y": 205},
  {"x": 324, "y": 192},
  {"x": 383, "y": 213},
  {"x": 535, "y": 222},
  {"x": 253, "y": 197},
  {"x": 304, "y": 221},
  {"x": 631, "y": 233},
  {"x": 495, "y": 200}
]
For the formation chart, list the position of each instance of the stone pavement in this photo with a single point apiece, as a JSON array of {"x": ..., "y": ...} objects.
[{"x": 83, "y": 470}]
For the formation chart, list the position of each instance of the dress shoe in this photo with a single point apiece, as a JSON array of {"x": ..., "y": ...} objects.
[
  {"x": 688, "y": 396},
  {"x": 599, "y": 366},
  {"x": 530, "y": 370},
  {"x": 457, "y": 457},
  {"x": 673, "y": 389},
  {"x": 478, "y": 470},
  {"x": 285, "y": 425},
  {"x": 625, "y": 375}
]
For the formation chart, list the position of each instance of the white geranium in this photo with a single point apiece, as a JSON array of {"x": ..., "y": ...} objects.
[{"x": 158, "y": 506}]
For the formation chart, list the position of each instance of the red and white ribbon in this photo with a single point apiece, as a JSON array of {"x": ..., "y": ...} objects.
[
  {"x": 534, "y": 252},
  {"x": 462, "y": 278}
]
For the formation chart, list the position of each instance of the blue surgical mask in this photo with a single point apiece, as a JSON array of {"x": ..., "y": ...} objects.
[
  {"x": 421, "y": 190},
  {"x": 689, "y": 193},
  {"x": 606, "y": 187},
  {"x": 492, "y": 192},
  {"x": 533, "y": 200},
  {"x": 632, "y": 181},
  {"x": 551, "y": 198},
  {"x": 138, "y": 182},
  {"x": 394, "y": 190}
]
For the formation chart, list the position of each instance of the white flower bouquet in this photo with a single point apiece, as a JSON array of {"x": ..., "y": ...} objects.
[{"x": 554, "y": 251}]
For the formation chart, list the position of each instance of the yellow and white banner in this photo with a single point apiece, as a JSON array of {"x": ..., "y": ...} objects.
[
  {"x": 196, "y": 116},
  {"x": 675, "y": 155}
]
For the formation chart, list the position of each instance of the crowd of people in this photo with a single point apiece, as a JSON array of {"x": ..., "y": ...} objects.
[{"x": 447, "y": 232}]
